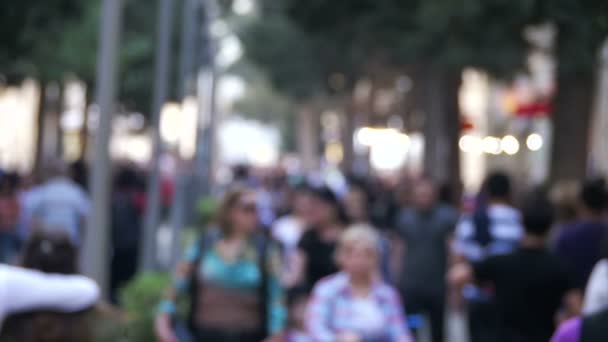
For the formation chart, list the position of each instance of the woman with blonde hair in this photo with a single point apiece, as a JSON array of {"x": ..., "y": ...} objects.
[
  {"x": 231, "y": 277},
  {"x": 356, "y": 304}
]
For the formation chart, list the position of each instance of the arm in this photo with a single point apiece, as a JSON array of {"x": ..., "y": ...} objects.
[
  {"x": 276, "y": 299},
  {"x": 460, "y": 274},
  {"x": 318, "y": 315},
  {"x": 25, "y": 289},
  {"x": 596, "y": 295},
  {"x": 295, "y": 273},
  {"x": 181, "y": 279},
  {"x": 167, "y": 308}
]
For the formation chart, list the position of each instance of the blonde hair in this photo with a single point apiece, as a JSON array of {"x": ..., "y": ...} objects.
[{"x": 360, "y": 233}]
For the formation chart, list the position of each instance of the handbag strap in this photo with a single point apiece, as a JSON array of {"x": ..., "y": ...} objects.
[
  {"x": 194, "y": 286},
  {"x": 262, "y": 254}
]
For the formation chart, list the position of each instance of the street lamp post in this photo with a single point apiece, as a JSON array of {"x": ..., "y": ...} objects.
[
  {"x": 96, "y": 237},
  {"x": 152, "y": 216},
  {"x": 187, "y": 71},
  {"x": 207, "y": 84}
]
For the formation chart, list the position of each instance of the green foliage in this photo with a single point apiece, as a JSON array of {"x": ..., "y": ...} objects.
[
  {"x": 288, "y": 57},
  {"x": 31, "y": 31},
  {"x": 353, "y": 36},
  {"x": 55, "y": 38},
  {"x": 206, "y": 209},
  {"x": 140, "y": 299},
  {"x": 582, "y": 26}
]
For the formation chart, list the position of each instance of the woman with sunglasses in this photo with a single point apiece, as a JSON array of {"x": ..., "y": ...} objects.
[{"x": 232, "y": 279}]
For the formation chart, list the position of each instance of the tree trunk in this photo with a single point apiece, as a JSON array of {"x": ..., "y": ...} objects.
[
  {"x": 571, "y": 124},
  {"x": 308, "y": 137},
  {"x": 442, "y": 129},
  {"x": 84, "y": 131},
  {"x": 347, "y": 136},
  {"x": 42, "y": 107}
]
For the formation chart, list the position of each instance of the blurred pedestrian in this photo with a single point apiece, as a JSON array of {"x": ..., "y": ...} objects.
[
  {"x": 59, "y": 204},
  {"x": 44, "y": 307},
  {"x": 126, "y": 221},
  {"x": 581, "y": 242},
  {"x": 531, "y": 284},
  {"x": 596, "y": 294},
  {"x": 297, "y": 303},
  {"x": 79, "y": 173},
  {"x": 592, "y": 326},
  {"x": 9, "y": 217},
  {"x": 494, "y": 228},
  {"x": 317, "y": 246},
  {"x": 356, "y": 304},
  {"x": 357, "y": 203},
  {"x": 357, "y": 206},
  {"x": 426, "y": 229},
  {"x": 232, "y": 278},
  {"x": 289, "y": 229}
]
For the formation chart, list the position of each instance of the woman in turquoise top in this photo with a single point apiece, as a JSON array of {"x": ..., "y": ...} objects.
[{"x": 232, "y": 277}]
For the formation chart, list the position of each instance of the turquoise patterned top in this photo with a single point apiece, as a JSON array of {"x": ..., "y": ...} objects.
[{"x": 244, "y": 273}]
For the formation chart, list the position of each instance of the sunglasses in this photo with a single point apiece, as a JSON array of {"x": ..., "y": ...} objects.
[{"x": 247, "y": 207}]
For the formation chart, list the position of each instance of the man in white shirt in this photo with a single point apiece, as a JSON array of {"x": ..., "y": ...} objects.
[{"x": 23, "y": 290}]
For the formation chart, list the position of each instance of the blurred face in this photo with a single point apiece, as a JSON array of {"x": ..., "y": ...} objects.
[
  {"x": 321, "y": 212},
  {"x": 245, "y": 214},
  {"x": 424, "y": 195},
  {"x": 302, "y": 205},
  {"x": 358, "y": 258},
  {"x": 356, "y": 205}
]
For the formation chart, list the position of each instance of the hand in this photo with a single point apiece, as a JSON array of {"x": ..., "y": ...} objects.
[
  {"x": 348, "y": 337},
  {"x": 162, "y": 328},
  {"x": 460, "y": 274}
]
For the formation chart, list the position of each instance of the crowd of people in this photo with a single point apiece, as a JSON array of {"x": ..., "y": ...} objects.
[
  {"x": 350, "y": 261},
  {"x": 291, "y": 259}
]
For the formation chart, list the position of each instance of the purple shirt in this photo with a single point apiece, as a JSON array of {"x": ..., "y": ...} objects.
[
  {"x": 581, "y": 243},
  {"x": 570, "y": 331},
  {"x": 331, "y": 307}
]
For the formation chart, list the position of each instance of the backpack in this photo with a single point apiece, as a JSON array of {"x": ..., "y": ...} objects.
[{"x": 206, "y": 240}]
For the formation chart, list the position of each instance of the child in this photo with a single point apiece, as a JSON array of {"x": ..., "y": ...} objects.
[
  {"x": 531, "y": 284},
  {"x": 297, "y": 301}
]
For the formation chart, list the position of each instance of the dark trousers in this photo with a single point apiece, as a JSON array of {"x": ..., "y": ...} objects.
[
  {"x": 431, "y": 306},
  {"x": 483, "y": 321},
  {"x": 123, "y": 267},
  {"x": 222, "y": 335}
]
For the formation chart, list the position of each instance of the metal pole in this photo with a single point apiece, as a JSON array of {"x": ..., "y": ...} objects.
[
  {"x": 153, "y": 205},
  {"x": 96, "y": 238},
  {"x": 207, "y": 81},
  {"x": 188, "y": 46}
]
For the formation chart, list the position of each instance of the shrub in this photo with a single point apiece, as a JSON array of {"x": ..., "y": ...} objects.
[{"x": 140, "y": 299}]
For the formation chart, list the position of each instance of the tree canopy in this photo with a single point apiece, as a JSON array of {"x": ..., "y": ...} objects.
[{"x": 52, "y": 39}]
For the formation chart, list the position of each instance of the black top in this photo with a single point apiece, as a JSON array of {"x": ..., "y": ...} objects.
[
  {"x": 593, "y": 327},
  {"x": 530, "y": 285},
  {"x": 319, "y": 256}
]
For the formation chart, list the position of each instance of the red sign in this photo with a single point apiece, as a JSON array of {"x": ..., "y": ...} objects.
[{"x": 534, "y": 110}]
